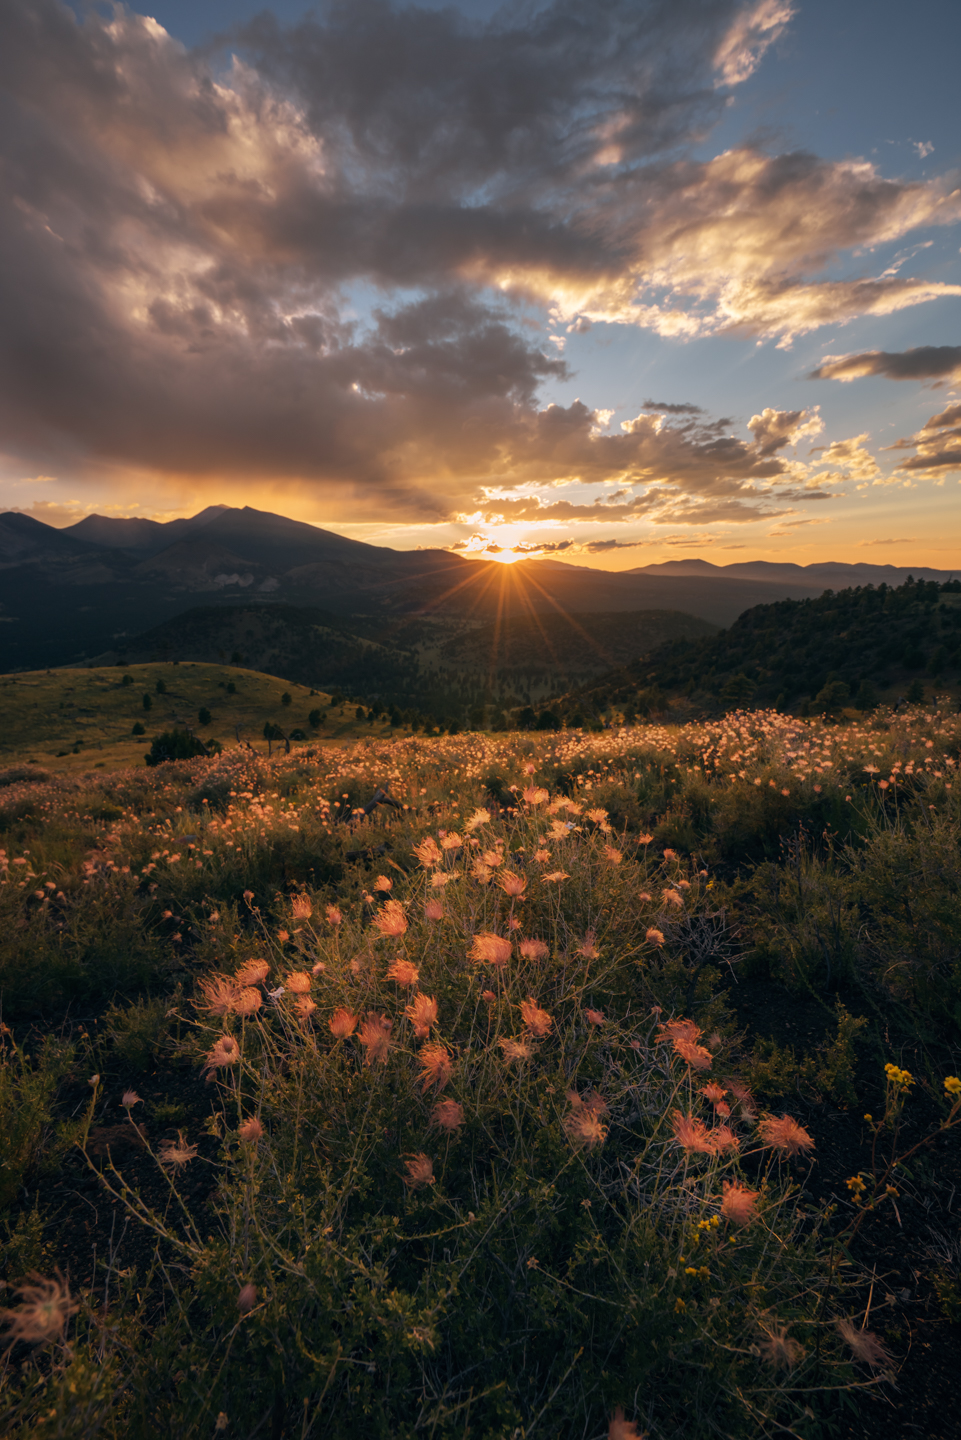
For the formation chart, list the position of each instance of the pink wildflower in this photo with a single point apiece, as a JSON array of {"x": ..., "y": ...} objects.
[
  {"x": 374, "y": 1035},
  {"x": 428, "y": 853},
  {"x": 391, "y": 920},
  {"x": 739, "y": 1204},
  {"x": 301, "y": 907},
  {"x": 865, "y": 1345},
  {"x": 511, "y": 883},
  {"x": 515, "y": 1050},
  {"x": 252, "y": 972},
  {"x": 403, "y": 972},
  {"x": 437, "y": 1066},
  {"x": 621, "y": 1429},
  {"x": 342, "y": 1024},
  {"x": 422, "y": 1013},
  {"x": 691, "y": 1134},
  {"x": 251, "y": 1130},
  {"x": 219, "y": 995},
  {"x": 447, "y": 1115},
  {"x": 226, "y": 1051},
  {"x": 784, "y": 1133},
  {"x": 298, "y": 983},
  {"x": 594, "y": 1017},
  {"x": 434, "y": 910},
  {"x": 334, "y": 916},
  {"x": 654, "y": 936},
  {"x": 494, "y": 949},
  {"x": 175, "y": 1154},
  {"x": 46, "y": 1306},
  {"x": 248, "y": 1001},
  {"x": 534, "y": 949},
  {"x": 780, "y": 1350},
  {"x": 420, "y": 1171},
  {"x": 538, "y": 1021}
]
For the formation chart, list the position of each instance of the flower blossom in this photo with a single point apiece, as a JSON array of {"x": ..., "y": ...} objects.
[
  {"x": 46, "y": 1306},
  {"x": 515, "y": 1050},
  {"x": 428, "y": 853},
  {"x": 175, "y": 1154},
  {"x": 534, "y": 949},
  {"x": 422, "y": 1013},
  {"x": 780, "y": 1350},
  {"x": 692, "y": 1134},
  {"x": 420, "y": 1171},
  {"x": 298, "y": 983},
  {"x": 252, "y": 972},
  {"x": 225, "y": 1052},
  {"x": 248, "y": 1001},
  {"x": 447, "y": 1115},
  {"x": 739, "y": 1204},
  {"x": 583, "y": 1125},
  {"x": 334, "y": 916},
  {"x": 391, "y": 920},
  {"x": 493, "y": 949},
  {"x": 512, "y": 884},
  {"x": 251, "y": 1130},
  {"x": 301, "y": 907},
  {"x": 219, "y": 995},
  {"x": 342, "y": 1023},
  {"x": 404, "y": 972},
  {"x": 538, "y": 1021},
  {"x": 865, "y": 1345},
  {"x": 437, "y": 1066},
  {"x": 434, "y": 910},
  {"x": 374, "y": 1035},
  {"x": 621, "y": 1429},
  {"x": 784, "y": 1133}
]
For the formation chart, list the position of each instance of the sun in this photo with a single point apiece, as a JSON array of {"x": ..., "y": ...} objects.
[{"x": 504, "y": 544}]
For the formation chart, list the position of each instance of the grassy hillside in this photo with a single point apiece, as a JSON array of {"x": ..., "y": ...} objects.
[
  {"x": 78, "y": 719},
  {"x": 854, "y": 648},
  {"x": 607, "y": 1084}
]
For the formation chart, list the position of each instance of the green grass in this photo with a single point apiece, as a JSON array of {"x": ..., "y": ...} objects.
[{"x": 46, "y": 714}]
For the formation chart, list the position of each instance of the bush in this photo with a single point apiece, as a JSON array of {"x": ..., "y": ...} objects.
[
  {"x": 174, "y": 745},
  {"x": 138, "y": 728}
]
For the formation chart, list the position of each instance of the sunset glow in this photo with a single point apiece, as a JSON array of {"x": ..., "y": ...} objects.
[{"x": 686, "y": 282}]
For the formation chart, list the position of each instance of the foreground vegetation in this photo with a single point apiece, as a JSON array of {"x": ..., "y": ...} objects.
[{"x": 404, "y": 1089}]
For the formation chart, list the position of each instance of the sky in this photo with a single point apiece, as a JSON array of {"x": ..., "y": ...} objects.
[{"x": 609, "y": 281}]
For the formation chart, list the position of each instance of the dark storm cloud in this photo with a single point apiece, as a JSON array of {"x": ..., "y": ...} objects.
[
  {"x": 925, "y": 362},
  {"x": 329, "y": 265}
]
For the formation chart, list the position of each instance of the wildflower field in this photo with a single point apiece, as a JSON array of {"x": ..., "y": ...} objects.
[{"x": 488, "y": 1086}]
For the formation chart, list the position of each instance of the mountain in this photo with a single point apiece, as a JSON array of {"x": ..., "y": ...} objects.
[
  {"x": 66, "y": 595},
  {"x": 825, "y": 574}
]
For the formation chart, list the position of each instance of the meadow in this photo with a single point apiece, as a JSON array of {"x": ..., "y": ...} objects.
[{"x": 533, "y": 1084}]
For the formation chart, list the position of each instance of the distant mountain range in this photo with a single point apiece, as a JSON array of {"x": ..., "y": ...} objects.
[{"x": 70, "y": 594}]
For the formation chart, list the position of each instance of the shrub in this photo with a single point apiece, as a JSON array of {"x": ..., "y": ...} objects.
[{"x": 174, "y": 745}]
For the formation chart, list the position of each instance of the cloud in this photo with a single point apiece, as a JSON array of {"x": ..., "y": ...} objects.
[
  {"x": 667, "y": 409},
  {"x": 320, "y": 270},
  {"x": 775, "y": 429},
  {"x": 925, "y": 362}
]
